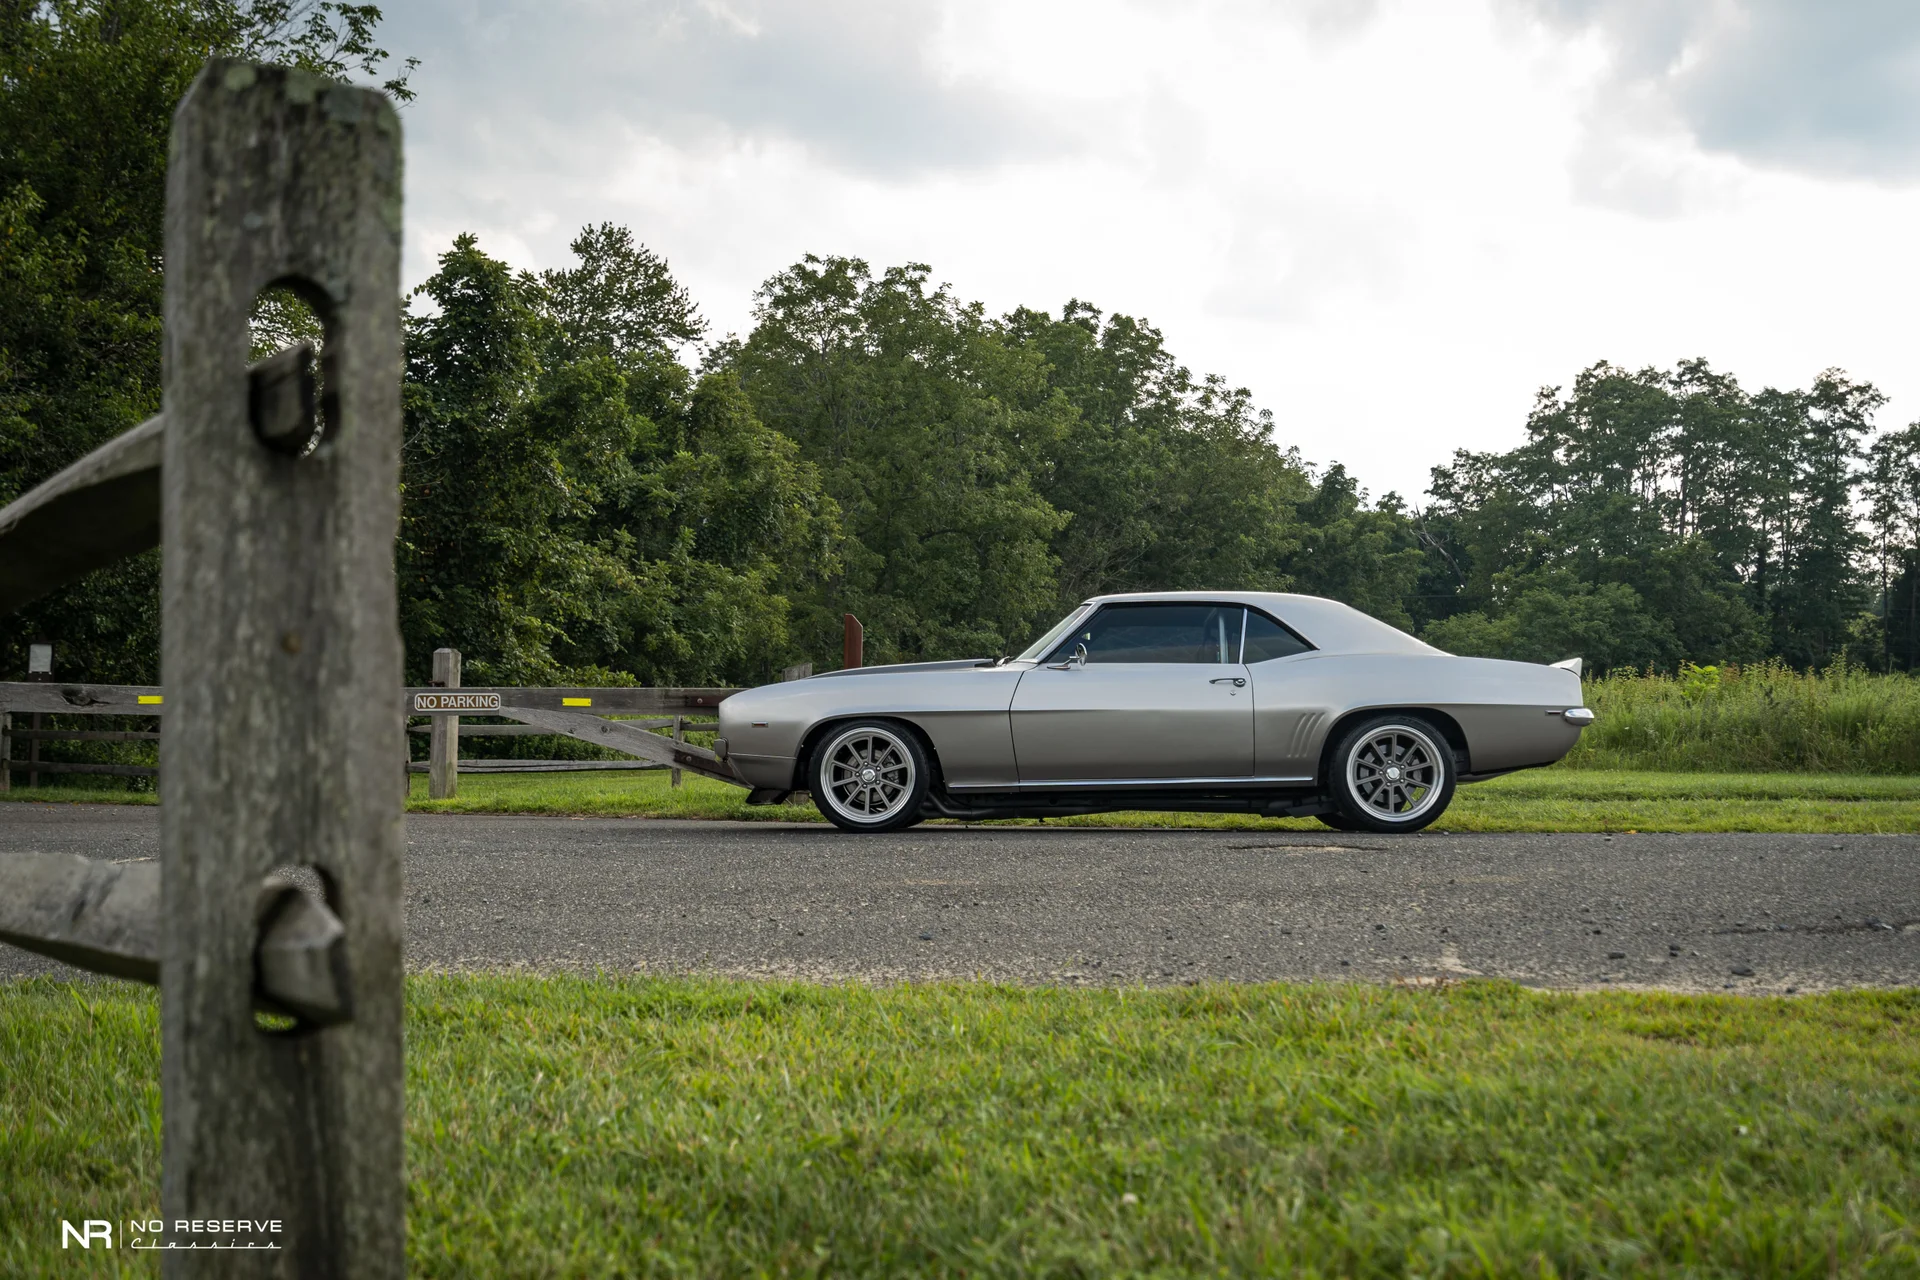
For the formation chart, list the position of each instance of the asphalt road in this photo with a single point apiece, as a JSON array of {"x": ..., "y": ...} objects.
[{"x": 1059, "y": 905}]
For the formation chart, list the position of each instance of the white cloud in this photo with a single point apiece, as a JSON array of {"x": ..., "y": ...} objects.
[
  {"x": 1830, "y": 88},
  {"x": 1393, "y": 222}
]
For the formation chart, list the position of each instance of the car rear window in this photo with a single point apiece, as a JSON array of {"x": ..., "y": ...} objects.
[{"x": 1267, "y": 639}]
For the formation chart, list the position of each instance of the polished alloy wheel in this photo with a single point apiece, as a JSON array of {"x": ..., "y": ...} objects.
[
  {"x": 868, "y": 775},
  {"x": 1394, "y": 773}
]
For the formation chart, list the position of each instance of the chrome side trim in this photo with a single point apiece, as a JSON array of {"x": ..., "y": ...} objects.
[{"x": 1126, "y": 782}]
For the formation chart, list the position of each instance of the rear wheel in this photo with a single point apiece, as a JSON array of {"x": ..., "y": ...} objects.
[
  {"x": 870, "y": 775},
  {"x": 1335, "y": 821},
  {"x": 1391, "y": 773}
]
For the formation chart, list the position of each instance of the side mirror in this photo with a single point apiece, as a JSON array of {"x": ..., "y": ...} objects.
[{"x": 1075, "y": 660}]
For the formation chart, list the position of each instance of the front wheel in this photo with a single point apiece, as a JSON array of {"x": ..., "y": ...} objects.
[
  {"x": 1392, "y": 773},
  {"x": 870, "y": 775}
]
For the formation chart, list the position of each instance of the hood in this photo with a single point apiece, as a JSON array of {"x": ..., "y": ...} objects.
[{"x": 952, "y": 664}]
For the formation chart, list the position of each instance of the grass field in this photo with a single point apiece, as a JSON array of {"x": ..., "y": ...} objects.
[
  {"x": 1764, "y": 718},
  {"x": 585, "y": 1127},
  {"x": 1557, "y": 799}
]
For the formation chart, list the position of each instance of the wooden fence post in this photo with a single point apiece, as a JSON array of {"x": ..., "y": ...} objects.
[
  {"x": 854, "y": 648},
  {"x": 280, "y": 655},
  {"x": 679, "y": 735},
  {"x": 6, "y": 751},
  {"x": 443, "y": 743}
]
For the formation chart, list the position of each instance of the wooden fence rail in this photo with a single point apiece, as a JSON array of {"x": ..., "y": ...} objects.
[
  {"x": 578, "y": 713},
  {"x": 272, "y": 920}
]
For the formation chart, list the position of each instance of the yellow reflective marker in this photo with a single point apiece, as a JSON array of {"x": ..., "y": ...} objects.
[
  {"x": 576, "y": 702},
  {"x": 149, "y": 699}
]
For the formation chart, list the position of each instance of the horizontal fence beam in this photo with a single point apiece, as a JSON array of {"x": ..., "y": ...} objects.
[
  {"x": 105, "y": 917},
  {"x": 87, "y": 735},
  {"x": 539, "y": 766},
  {"x": 61, "y": 766},
  {"x": 106, "y": 506},
  {"x": 486, "y": 701},
  {"x": 82, "y": 699},
  {"x": 587, "y": 727},
  {"x": 149, "y": 700},
  {"x": 530, "y": 731}
]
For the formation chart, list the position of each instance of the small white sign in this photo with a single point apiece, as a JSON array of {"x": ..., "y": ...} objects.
[{"x": 454, "y": 700}]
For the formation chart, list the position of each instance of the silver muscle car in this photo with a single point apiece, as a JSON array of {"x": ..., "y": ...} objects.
[{"x": 1234, "y": 701}]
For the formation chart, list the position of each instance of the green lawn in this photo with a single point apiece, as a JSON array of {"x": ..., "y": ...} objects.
[
  {"x": 569, "y": 1126},
  {"x": 1557, "y": 799}
]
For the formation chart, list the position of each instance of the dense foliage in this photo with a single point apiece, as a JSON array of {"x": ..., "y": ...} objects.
[
  {"x": 87, "y": 92},
  {"x": 592, "y": 494},
  {"x": 1656, "y": 517},
  {"x": 577, "y": 506}
]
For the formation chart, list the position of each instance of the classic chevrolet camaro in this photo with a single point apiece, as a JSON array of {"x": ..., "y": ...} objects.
[{"x": 1225, "y": 701}]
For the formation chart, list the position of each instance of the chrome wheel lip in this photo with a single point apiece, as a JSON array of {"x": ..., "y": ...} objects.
[
  {"x": 867, "y": 775},
  {"x": 1392, "y": 765}
]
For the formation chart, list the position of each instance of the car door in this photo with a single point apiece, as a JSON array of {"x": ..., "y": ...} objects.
[
  {"x": 1161, "y": 698},
  {"x": 1290, "y": 711}
]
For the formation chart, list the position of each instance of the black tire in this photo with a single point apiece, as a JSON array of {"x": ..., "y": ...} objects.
[
  {"x": 1391, "y": 773},
  {"x": 870, "y": 776},
  {"x": 1335, "y": 821}
]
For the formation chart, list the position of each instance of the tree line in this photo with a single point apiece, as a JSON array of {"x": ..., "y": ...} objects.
[{"x": 596, "y": 489}]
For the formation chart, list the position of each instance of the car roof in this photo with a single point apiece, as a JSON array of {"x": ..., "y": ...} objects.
[{"x": 1327, "y": 624}]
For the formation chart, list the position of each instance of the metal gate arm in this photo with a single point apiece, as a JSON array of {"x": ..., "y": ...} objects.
[{"x": 632, "y": 741}]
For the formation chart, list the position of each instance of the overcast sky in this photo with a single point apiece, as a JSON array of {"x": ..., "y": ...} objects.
[{"x": 1394, "y": 222}]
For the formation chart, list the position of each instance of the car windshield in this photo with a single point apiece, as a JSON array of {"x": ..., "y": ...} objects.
[{"x": 1033, "y": 651}]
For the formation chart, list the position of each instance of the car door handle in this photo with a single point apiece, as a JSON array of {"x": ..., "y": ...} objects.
[{"x": 1238, "y": 682}]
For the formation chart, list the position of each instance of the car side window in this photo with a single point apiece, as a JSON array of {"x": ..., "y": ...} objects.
[
  {"x": 1268, "y": 639},
  {"x": 1189, "y": 633}
]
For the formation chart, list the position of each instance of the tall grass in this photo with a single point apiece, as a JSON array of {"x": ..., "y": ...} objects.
[{"x": 1762, "y": 718}]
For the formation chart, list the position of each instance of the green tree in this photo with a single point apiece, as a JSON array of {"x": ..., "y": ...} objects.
[
  {"x": 1819, "y": 591},
  {"x": 1366, "y": 556},
  {"x": 87, "y": 93},
  {"x": 1169, "y": 483},
  {"x": 1727, "y": 516},
  {"x": 927, "y": 425},
  {"x": 575, "y": 508},
  {"x": 1893, "y": 523}
]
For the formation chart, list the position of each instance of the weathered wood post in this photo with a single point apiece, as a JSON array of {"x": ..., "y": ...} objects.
[
  {"x": 280, "y": 655},
  {"x": 443, "y": 742},
  {"x": 6, "y": 750}
]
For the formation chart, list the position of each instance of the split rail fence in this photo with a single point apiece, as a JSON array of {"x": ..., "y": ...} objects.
[
  {"x": 585, "y": 714},
  {"x": 274, "y": 490},
  {"x": 272, "y": 918},
  {"x": 581, "y": 714}
]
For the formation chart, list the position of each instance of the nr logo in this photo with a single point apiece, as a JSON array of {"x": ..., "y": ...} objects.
[{"x": 89, "y": 1230}]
